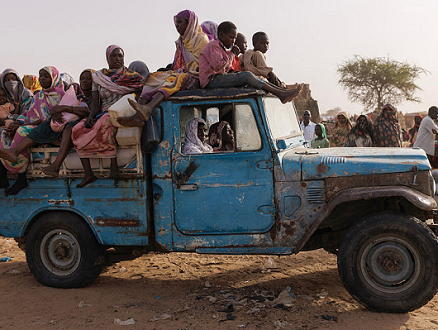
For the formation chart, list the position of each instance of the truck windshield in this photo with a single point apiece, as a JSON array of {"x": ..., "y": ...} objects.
[{"x": 282, "y": 118}]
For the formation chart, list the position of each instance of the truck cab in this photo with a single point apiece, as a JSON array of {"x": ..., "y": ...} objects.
[{"x": 270, "y": 195}]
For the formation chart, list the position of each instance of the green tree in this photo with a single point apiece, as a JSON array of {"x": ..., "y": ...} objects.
[{"x": 377, "y": 81}]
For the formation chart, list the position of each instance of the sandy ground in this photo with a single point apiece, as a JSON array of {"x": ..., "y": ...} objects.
[{"x": 189, "y": 291}]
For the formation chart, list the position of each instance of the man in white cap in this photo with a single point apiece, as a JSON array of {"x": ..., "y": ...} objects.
[{"x": 308, "y": 127}]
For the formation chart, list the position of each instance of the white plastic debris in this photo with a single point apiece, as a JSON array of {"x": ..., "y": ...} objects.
[
  {"x": 83, "y": 304},
  {"x": 207, "y": 284},
  {"x": 285, "y": 297},
  {"x": 126, "y": 322}
]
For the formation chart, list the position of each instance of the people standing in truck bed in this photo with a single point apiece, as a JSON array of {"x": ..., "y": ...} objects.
[
  {"x": 38, "y": 112},
  {"x": 94, "y": 136},
  {"x": 215, "y": 64},
  {"x": 159, "y": 86}
]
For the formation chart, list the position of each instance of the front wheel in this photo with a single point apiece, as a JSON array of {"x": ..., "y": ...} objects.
[
  {"x": 62, "y": 252},
  {"x": 389, "y": 263}
]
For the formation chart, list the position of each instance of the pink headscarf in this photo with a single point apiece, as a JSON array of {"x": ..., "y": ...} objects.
[
  {"x": 45, "y": 99},
  {"x": 110, "y": 49}
]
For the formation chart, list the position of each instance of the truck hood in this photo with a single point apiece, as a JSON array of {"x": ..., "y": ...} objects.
[{"x": 311, "y": 164}]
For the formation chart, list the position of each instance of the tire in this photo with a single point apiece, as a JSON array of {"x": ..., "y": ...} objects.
[
  {"x": 389, "y": 263},
  {"x": 62, "y": 252}
]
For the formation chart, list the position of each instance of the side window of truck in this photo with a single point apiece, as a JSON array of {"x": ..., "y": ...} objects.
[{"x": 239, "y": 116}]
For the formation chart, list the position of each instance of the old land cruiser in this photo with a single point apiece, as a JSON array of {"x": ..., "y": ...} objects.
[{"x": 269, "y": 196}]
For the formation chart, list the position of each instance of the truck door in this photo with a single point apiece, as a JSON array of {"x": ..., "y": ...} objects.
[{"x": 223, "y": 192}]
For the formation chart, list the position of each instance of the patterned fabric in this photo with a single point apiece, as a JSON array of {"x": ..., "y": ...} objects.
[
  {"x": 45, "y": 99},
  {"x": 340, "y": 132},
  {"x": 192, "y": 144},
  {"x": 185, "y": 68},
  {"x": 210, "y": 29},
  {"x": 215, "y": 137},
  {"x": 97, "y": 142},
  {"x": 361, "y": 135},
  {"x": 32, "y": 83},
  {"x": 20, "y": 93},
  {"x": 387, "y": 131},
  {"x": 39, "y": 109}
]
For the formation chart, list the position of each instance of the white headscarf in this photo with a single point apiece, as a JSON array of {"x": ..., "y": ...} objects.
[{"x": 192, "y": 144}]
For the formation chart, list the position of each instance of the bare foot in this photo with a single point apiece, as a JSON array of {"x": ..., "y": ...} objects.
[
  {"x": 50, "y": 170},
  {"x": 8, "y": 155},
  {"x": 296, "y": 85},
  {"x": 290, "y": 94},
  {"x": 132, "y": 121},
  {"x": 143, "y": 109},
  {"x": 86, "y": 181}
]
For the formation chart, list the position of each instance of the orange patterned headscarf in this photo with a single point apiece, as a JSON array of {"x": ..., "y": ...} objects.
[{"x": 32, "y": 83}]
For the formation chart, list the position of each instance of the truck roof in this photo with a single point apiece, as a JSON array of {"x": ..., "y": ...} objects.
[{"x": 215, "y": 93}]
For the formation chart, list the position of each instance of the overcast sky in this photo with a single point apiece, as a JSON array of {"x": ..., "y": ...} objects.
[{"x": 308, "y": 39}]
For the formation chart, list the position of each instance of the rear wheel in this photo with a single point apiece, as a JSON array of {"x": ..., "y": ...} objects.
[
  {"x": 62, "y": 252},
  {"x": 389, "y": 263}
]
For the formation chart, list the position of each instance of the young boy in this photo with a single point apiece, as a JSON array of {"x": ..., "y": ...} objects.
[
  {"x": 215, "y": 63},
  {"x": 6, "y": 108},
  {"x": 254, "y": 60},
  {"x": 242, "y": 43}
]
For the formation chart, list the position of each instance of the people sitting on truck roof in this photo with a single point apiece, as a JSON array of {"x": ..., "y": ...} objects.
[
  {"x": 94, "y": 136},
  {"x": 85, "y": 81},
  {"x": 215, "y": 65},
  {"x": 242, "y": 43},
  {"x": 32, "y": 83},
  {"x": 6, "y": 109},
  {"x": 195, "y": 137},
  {"x": 139, "y": 67},
  {"x": 184, "y": 74},
  {"x": 254, "y": 60},
  {"x": 18, "y": 95},
  {"x": 361, "y": 135},
  {"x": 221, "y": 136},
  {"x": 320, "y": 141},
  {"x": 386, "y": 128},
  {"x": 11, "y": 137},
  {"x": 210, "y": 29},
  {"x": 340, "y": 130}
]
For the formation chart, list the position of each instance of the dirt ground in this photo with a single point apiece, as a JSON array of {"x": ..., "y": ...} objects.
[{"x": 189, "y": 291}]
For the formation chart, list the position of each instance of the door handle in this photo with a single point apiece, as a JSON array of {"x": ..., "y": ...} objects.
[{"x": 188, "y": 187}]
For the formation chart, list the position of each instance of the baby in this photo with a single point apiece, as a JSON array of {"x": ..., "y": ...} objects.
[
  {"x": 6, "y": 108},
  {"x": 254, "y": 60}
]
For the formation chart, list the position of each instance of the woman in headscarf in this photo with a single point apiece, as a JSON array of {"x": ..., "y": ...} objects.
[
  {"x": 340, "y": 131},
  {"x": 67, "y": 80},
  {"x": 32, "y": 83},
  {"x": 195, "y": 137},
  {"x": 94, "y": 136},
  {"x": 38, "y": 112},
  {"x": 17, "y": 94},
  {"x": 361, "y": 135},
  {"x": 184, "y": 75},
  {"x": 139, "y": 67},
  {"x": 320, "y": 141},
  {"x": 210, "y": 29},
  {"x": 387, "y": 130},
  {"x": 221, "y": 136}
]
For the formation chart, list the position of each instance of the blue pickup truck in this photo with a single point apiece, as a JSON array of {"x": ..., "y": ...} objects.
[{"x": 271, "y": 195}]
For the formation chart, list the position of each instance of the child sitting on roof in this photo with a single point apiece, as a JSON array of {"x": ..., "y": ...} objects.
[
  {"x": 254, "y": 60},
  {"x": 215, "y": 65},
  {"x": 240, "y": 42}
]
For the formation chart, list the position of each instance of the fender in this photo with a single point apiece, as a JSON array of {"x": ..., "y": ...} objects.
[{"x": 418, "y": 199}]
